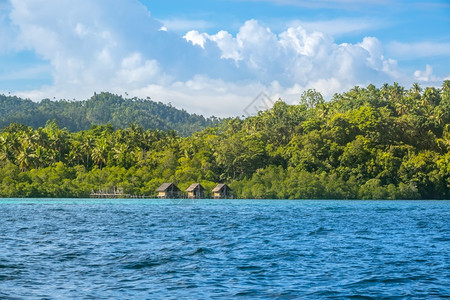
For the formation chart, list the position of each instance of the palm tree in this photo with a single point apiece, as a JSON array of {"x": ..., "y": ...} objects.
[
  {"x": 384, "y": 92},
  {"x": 3, "y": 149},
  {"x": 396, "y": 92},
  {"x": 75, "y": 154},
  {"x": 25, "y": 158},
  {"x": 87, "y": 145},
  {"x": 26, "y": 137},
  {"x": 100, "y": 153},
  {"x": 123, "y": 155},
  {"x": 430, "y": 97},
  {"x": 41, "y": 156},
  {"x": 416, "y": 88},
  {"x": 396, "y": 95},
  {"x": 58, "y": 139},
  {"x": 438, "y": 116},
  {"x": 135, "y": 135},
  {"x": 12, "y": 145},
  {"x": 445, "y": 91},
  {"x": 402, "y": 105},
  {"x": 40, "y": 137}
]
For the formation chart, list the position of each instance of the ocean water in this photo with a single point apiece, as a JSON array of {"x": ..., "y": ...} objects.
[{"x": 214, "y": 249}]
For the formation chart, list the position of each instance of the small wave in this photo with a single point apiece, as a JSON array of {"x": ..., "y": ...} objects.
[
  {"x": 320, "y": 231},
  {"x": 143, "y": 265},
  {"x": 249, "y": 268},
  {"x": 403, "y": 279},
  {"x": 335, "y": 209},
  {"x": 6, "y": 277},
  {"x": 4, "y": 296},
  {"x": 200, "y": 251},
  {"x": 150, "y": 262},
  {"x": 422, "y": 224},
  {"x": 373, "y": 281},
  {"x": 57, "y": 209},
  {"x": 71, "y": 256},
  {"x": 364, "y": 282},
  {"x": 358, "y": 296},
  {"x": 386, "y": 209},
  {"x": 248, "y": 293},
  {"x": 366, "y": 238},
  {"x": 11, "y": 267},
  {"x": 442, "y": 239},
  {"x": 10, "y": 272}
]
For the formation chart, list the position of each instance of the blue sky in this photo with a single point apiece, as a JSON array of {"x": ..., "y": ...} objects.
[{"x": 214, "y": 57}]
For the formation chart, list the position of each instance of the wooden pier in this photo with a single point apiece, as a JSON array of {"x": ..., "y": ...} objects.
[{"x": 114, "y": 193}]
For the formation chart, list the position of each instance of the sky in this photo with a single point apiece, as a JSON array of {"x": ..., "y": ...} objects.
[{"x": 215, "y": 57}]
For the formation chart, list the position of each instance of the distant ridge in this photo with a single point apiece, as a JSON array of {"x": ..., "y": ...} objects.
[{"x": 101, "y": 109}]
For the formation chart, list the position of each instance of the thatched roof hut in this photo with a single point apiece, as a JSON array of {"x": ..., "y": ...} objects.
[
  {"x": 195, "y": 190},
  {"x": 222, "y": 191},
  {"x": 168, "y": 191}
]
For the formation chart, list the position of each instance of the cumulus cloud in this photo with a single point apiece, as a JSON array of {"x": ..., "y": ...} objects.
[
  {"x": 196, "y": 38},
  {"x": 117, "y": 46},
  {"x": 425, "y": 75},
  {"x": 299, "y": 57}
]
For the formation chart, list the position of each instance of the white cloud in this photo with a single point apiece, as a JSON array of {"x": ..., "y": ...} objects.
[
  {"x": 227, "y": 44},
  {"x": 89, "y": 50},
  {"x": 135, "y": 71},
  {"x": 196, "y": 38},
  {"x": 297, "y": 56},
  {"x": 425, "y": 75}
]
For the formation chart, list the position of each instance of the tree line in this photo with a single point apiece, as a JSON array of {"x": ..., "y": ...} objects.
[{"x": 367, "y": 143}]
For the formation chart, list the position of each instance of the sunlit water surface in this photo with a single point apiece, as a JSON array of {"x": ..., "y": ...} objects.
[{"x": 152, "y": 249}]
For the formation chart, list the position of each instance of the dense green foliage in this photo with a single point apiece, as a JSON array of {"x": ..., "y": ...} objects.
[
  {"x": 101, "y": 109},
  {"x": 367, "y": 143}
]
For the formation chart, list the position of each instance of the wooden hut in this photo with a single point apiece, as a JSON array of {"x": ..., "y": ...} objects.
[
  {"x": 168, "y": 191},
  {"x": 195, "y": 190},
  {"x": 222, "y": 191}
]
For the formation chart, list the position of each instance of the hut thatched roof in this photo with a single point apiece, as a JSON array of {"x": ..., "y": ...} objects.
[
  {"x": 165, "y": 186},
  {"x": 194, "y": 186},
  {"x": 219, "y": 187}
]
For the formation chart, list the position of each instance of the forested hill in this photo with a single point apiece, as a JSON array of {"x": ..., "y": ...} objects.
[
  {"x": 367, "y": 143},
  {"x": 101, "y": 109}
]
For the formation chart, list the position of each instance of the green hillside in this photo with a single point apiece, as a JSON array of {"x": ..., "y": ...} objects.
[{"x": 101, "y": 109}]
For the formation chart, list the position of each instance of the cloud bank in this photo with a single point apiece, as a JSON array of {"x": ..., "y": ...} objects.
[{"x": 117, "y": 46}]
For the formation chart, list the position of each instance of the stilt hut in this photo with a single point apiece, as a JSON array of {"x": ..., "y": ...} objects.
[
  {"x": 222, "y": 191},
  {"x": 168, "y": 191},
  {"x": 195, "y": 190}
]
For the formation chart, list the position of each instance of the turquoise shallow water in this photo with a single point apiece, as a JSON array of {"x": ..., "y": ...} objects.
[{"x": 153, "y": 249}]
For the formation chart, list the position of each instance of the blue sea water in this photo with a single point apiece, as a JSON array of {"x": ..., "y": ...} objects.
[{"x": 209, "y": 249}]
